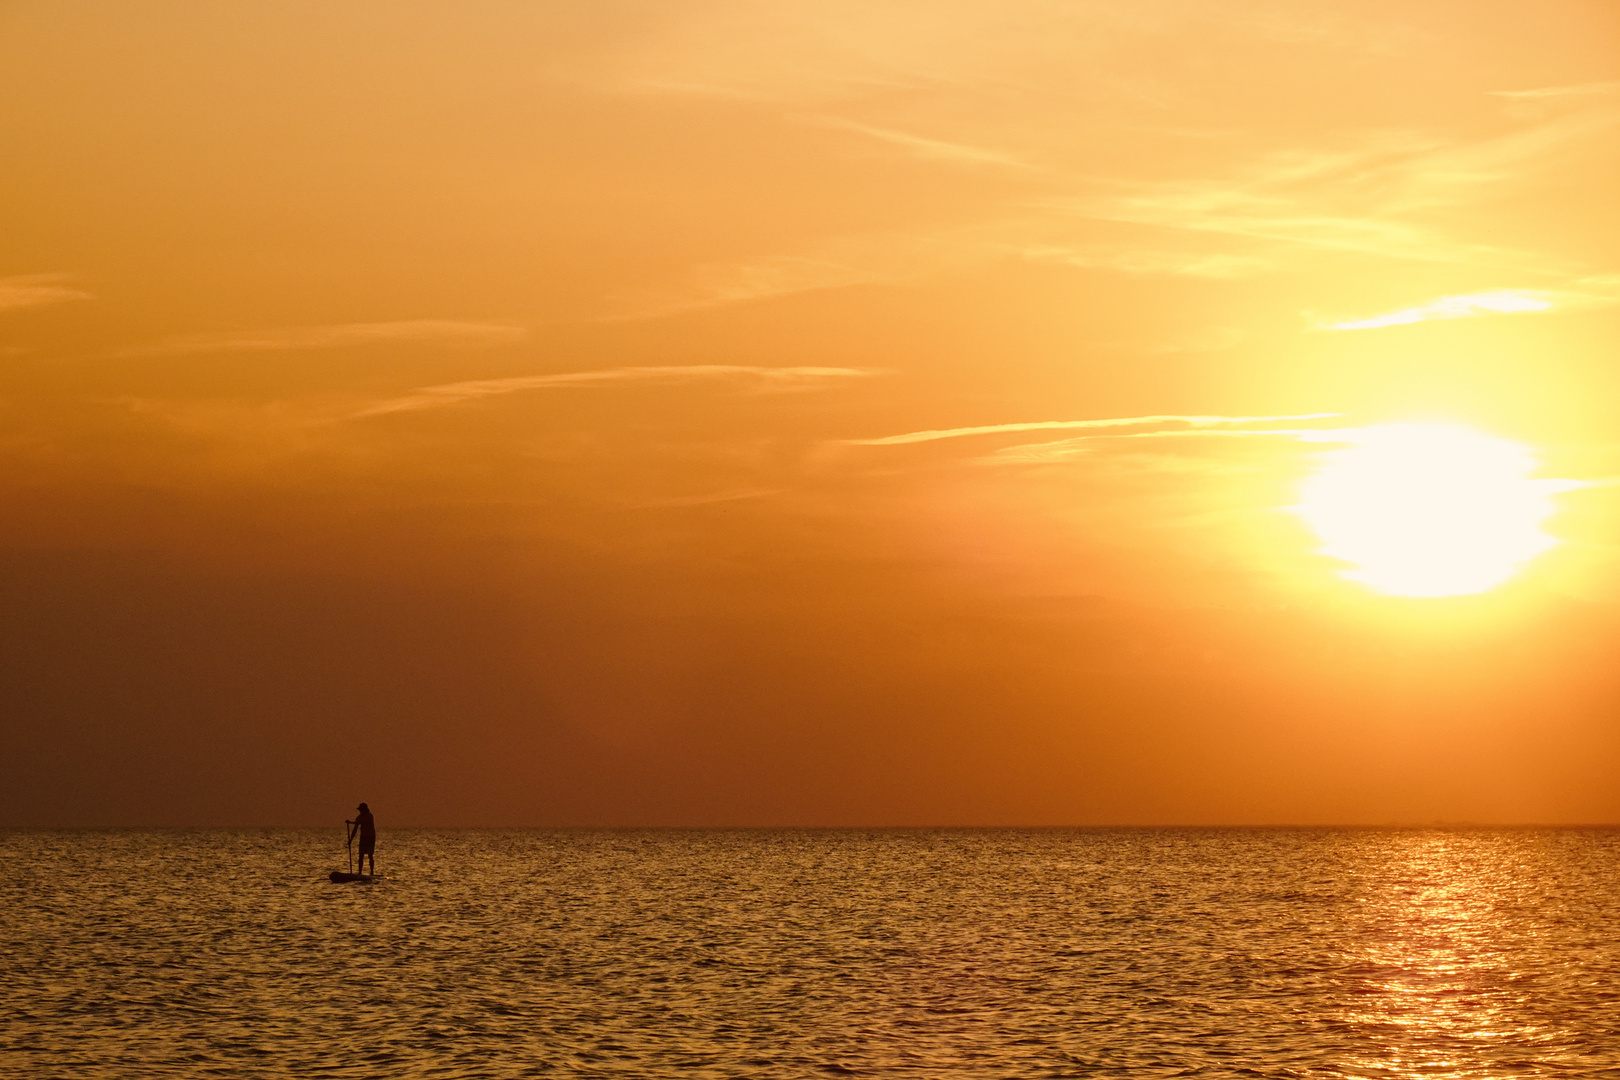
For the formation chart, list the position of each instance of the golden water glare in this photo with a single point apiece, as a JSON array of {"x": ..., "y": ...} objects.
[{"x": 1439, "y": 987}]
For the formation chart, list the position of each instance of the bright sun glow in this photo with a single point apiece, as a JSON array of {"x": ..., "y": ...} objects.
[{"x": 1429, "y": 509}]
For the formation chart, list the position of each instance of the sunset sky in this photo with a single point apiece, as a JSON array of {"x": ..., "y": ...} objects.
[{"x": 788, "y": 413}]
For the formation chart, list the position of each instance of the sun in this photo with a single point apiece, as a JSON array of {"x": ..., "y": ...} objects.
[{"x": 1429, "y": 509}]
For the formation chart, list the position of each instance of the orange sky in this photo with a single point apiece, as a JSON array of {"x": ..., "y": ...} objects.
[{"x": 636, "y": 413}]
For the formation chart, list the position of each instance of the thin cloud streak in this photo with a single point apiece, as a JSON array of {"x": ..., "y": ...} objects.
[
  {"x": 445, "y": 394},
  {"x": 1369, "y": 191},
  {"x": 744, "y": 282},
  {"x": 1229, "y": 210},
  {"x": 34, "y": 290},
  {"x": 1368, "y": 198},
  {"x": 930, "y": 149},
  {"x": 1145, "y": 260},
  {"x": 710, "y": 499},
  {"x": 892, "y": 258},
  {"x": 1065, "y": 449},
  {"x": 1543, "y": 93},
  {"x": 1503, "y": 301},
  {"x": 294, "y": 338},
  {"x": 1061, "y": 425},
  {"x": 1591, "y": 292}
]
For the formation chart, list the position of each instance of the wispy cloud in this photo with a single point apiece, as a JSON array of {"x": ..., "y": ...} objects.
[
  {"x": 716, "y": 285},
  {"x": 1586, "y": 293},
  {"x": 293, "y": 338},
  {"x": 1257, "y": 210},
  {"x": 1065, "y": 449},
  {"x": 1004, "y": 88},
  {"x": 935, "y": 434},
  {"x": 708, "y": 498},
  {"x": 901, "y": 256},
  {"x": 435, "y": 397},
  {"x": 836, "y": 264},
  {"x": 1499, "y": 302},
  {"x": 1375, "y": 194},
  {"x": 33, "y": 290},
  {"x": 1145, "y": 261},
  {"x": 799, "y": 53},
  {"x": 929, "y": 149},
  {"x": 1578, "y": 90}
]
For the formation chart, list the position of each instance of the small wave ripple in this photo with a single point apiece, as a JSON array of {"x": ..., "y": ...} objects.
[{"x": 975, "y": 954}]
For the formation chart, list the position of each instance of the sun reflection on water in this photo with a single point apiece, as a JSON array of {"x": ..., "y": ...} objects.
[
  {"x": 1435, "y": 989},
  {"x": 1468, "y": 954}
]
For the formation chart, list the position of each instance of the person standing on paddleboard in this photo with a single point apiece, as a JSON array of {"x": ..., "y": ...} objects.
[{"x": 367, "y": 828}]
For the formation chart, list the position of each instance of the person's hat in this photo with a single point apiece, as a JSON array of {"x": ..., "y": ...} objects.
[{"x": 362, "y": 806}]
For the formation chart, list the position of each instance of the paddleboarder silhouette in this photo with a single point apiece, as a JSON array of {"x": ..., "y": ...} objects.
[{"x": 367, "y": 828}]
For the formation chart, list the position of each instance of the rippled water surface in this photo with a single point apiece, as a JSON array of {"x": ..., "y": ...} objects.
[{"x": 1394, "y": 953}]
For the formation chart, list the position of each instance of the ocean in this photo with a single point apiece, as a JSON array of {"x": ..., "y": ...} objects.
[{"x": 811, "y": 953}]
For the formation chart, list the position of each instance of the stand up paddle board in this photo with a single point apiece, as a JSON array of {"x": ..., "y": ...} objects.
[{"x": 339, "y": 877}]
